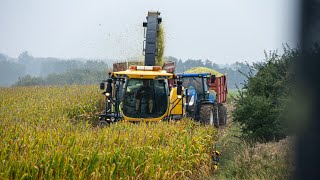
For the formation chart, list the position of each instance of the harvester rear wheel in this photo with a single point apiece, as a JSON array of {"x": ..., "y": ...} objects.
[
  {"x": 207, "y": 114},
  {"x": 222, "y": 115}
]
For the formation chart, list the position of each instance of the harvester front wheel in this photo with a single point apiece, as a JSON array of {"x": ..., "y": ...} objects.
[
  {"x": 207, "y": 114},
  {"x": 102, "y": 124}
]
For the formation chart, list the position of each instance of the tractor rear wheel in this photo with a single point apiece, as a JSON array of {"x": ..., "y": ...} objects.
[
  {"x": 207, "y": 114},
  {"x": 222, "y": 115}
]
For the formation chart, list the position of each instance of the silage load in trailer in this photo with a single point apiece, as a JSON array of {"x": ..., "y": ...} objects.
[{"x": 204, "y": 70}]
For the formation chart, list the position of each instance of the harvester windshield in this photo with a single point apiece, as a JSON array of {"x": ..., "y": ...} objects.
[{"x": 145, "y": 98}]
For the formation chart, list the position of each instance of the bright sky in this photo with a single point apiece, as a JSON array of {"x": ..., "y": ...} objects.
[{"x": 223, "y": 31}]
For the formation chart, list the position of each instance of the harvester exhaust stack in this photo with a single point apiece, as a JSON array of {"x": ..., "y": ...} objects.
[{"x": 152, "y": 28}]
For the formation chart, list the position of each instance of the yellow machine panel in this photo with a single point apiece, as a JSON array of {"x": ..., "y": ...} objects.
[
  {"x": 139, "y": 74},
  {"x": 176, "y": 103}
]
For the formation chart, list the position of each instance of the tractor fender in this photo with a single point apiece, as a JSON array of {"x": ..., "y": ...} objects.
[{"x": 207, "y": 102}]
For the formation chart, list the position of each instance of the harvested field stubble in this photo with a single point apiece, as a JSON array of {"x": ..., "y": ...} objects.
[{"x": 46, "y": 133}]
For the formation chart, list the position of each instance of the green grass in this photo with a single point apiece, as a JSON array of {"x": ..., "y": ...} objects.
[
  {"x": 232, "y": 95},
  {"x": 244, "y": 160}
]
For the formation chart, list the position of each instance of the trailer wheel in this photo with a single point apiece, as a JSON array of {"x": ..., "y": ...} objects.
[
  {"x": 222, "y": 115},
  {"x": 207, "y": 114}
]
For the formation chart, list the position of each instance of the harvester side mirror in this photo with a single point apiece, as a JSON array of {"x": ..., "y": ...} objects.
[
  {"x": 109, "y": 86},
  {"x": 179, "y": 88},
  {"x": 102, "y": 86},
  {"x": 212, "y": 78},
  {"x": 145, "y": 24}
]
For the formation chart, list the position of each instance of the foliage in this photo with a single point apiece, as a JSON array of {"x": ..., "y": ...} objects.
[
  {"x": 25, "y": 66},
  {"x": 46, "y": 134},
  {"x": 29, "y": 81},
  {"x": 261, "y": 104},
  {"x": 13, "y": 68},
  {"x": 76, "y": 76},
  {"x": 232, "y": 95},
  {"x": 243, "y": 160},
  {"x": 9, "y": 71}
]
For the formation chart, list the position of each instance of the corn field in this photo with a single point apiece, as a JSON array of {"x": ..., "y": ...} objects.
[{"x": 47, "y": 133}]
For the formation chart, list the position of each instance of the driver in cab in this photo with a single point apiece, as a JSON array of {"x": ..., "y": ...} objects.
[
  {"x": 188, "y": 84},
  {"x": 144, "y": 91}
]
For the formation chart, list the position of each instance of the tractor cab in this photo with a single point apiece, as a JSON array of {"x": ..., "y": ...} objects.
[{"x": 197, "y": 86}]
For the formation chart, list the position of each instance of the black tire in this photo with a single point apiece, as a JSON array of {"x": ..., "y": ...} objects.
[
  {"x": 222, "y": 115},
  {"x": 207, "y": 114},
  {"x": 102, "y": 124}
]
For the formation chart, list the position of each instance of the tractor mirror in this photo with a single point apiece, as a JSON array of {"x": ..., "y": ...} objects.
[
  {"x": 102, "y": 86},
  {"x": 179, "y": 88},
  {"x": 212, "y": 78}
]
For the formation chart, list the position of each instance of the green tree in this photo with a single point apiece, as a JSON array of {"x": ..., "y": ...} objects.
[{"x": 262, "y": 102}]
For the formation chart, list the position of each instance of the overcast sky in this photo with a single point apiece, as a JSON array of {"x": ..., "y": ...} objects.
[{"x": 223, "y": 31}]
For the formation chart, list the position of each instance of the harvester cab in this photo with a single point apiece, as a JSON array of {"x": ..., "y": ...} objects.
[
  {"x": 202, "y": 102},
  {"x": 141, "y": 93}
]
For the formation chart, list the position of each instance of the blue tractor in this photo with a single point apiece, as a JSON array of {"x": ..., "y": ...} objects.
[{"x": 200, "y": 103}]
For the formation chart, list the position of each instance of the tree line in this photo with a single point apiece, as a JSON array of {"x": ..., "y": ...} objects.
[
  {"x": 273, "y": 103},
  {"x": 26, "y": 70}
]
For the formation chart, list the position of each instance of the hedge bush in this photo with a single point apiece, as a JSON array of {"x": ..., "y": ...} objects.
[{"x": 262, "y": 103}]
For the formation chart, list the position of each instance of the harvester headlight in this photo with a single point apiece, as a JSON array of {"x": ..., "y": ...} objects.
[
  {"x": 179, "y": 96},
  {"x": 157, "y": 68},
  {"x": 107, "y": 94},
  {"x": 145, "y": 68},
  {"x": 133, "y": 67}
]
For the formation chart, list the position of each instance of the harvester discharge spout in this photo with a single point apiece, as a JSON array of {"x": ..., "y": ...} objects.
[{"x": 152, "y": 28}]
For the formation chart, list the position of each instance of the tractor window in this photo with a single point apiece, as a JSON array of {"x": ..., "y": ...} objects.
[
  {"x": 120, "y": 92},
  {"x": 205, "y": 88},
  {"x": 194, "y": 84},
  {"x": 145, "y": 98}
]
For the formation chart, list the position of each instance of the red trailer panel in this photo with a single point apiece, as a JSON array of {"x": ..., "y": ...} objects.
[{"x": 220, "y": 87}]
